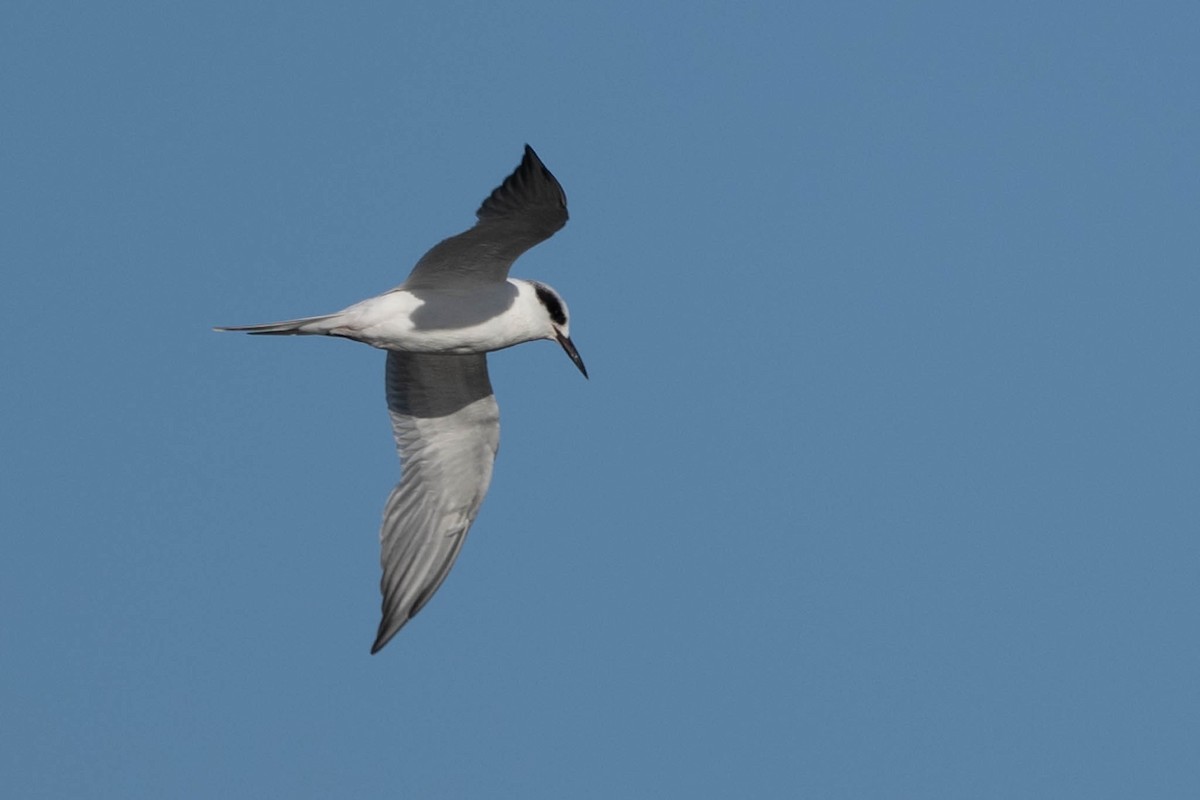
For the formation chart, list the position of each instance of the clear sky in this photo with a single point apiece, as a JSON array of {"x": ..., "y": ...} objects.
[{"x": 884, "y": 484}]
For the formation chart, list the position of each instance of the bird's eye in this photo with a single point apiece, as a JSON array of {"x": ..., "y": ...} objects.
[{"x": 553, "y": 305}]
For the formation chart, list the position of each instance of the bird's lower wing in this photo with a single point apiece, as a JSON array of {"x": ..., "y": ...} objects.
[{"x": 447, "y": 428}]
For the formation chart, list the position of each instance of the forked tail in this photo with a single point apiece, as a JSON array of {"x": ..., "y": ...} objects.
[{"x": 291, "y": 327}]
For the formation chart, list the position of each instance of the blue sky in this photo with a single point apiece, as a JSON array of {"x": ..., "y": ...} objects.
[{"x": 884, "y": 484}]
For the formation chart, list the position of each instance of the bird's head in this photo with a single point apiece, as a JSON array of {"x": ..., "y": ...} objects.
[{"x": 559, "y": 321}]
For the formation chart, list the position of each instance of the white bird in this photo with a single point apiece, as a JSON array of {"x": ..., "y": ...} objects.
[{"x": 457, "y": 304}]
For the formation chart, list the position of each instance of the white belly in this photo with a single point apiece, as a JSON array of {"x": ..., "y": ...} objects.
[{"x": 486, "y": 318}]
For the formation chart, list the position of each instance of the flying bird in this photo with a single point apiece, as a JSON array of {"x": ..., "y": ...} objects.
[{"x": 457, "y": 305}]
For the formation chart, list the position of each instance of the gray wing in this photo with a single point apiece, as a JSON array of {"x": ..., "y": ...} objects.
[
  {"x": 447, "y": 428},
  {"x": 528, "y": 208}
]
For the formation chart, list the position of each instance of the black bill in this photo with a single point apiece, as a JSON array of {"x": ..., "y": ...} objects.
[{"x": 569, "y": 346}]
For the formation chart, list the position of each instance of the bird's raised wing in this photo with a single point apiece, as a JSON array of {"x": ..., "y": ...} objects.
[
  {"x": 528, "y": 208},
  {"x": 447, "y": 428}
]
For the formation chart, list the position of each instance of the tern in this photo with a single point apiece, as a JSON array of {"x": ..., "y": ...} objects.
[{"x": 457, "y": 305}]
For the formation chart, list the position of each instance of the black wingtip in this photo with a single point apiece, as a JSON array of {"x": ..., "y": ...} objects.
[
  {"x": 530, "y": 185},
  {"x": 531, "y": 158},
  {"x": 381, "y": 641}
]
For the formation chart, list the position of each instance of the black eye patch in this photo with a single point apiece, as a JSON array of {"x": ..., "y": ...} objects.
[{"x": 552, "y": 304}]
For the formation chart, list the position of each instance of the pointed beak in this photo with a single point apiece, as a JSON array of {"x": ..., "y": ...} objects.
[{"x": 569, "y": 346}]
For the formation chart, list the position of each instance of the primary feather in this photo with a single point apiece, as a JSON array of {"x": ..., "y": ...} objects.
[{"x": 447, "y": 428}]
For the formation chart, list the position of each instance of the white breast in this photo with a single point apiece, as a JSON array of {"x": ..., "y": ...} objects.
[{"x": 478, "y": 319}]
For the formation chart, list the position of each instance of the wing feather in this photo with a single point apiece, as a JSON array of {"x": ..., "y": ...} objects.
[
  {"x": 447, "y": 428},
  {"x": 528, "y": 208}
]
